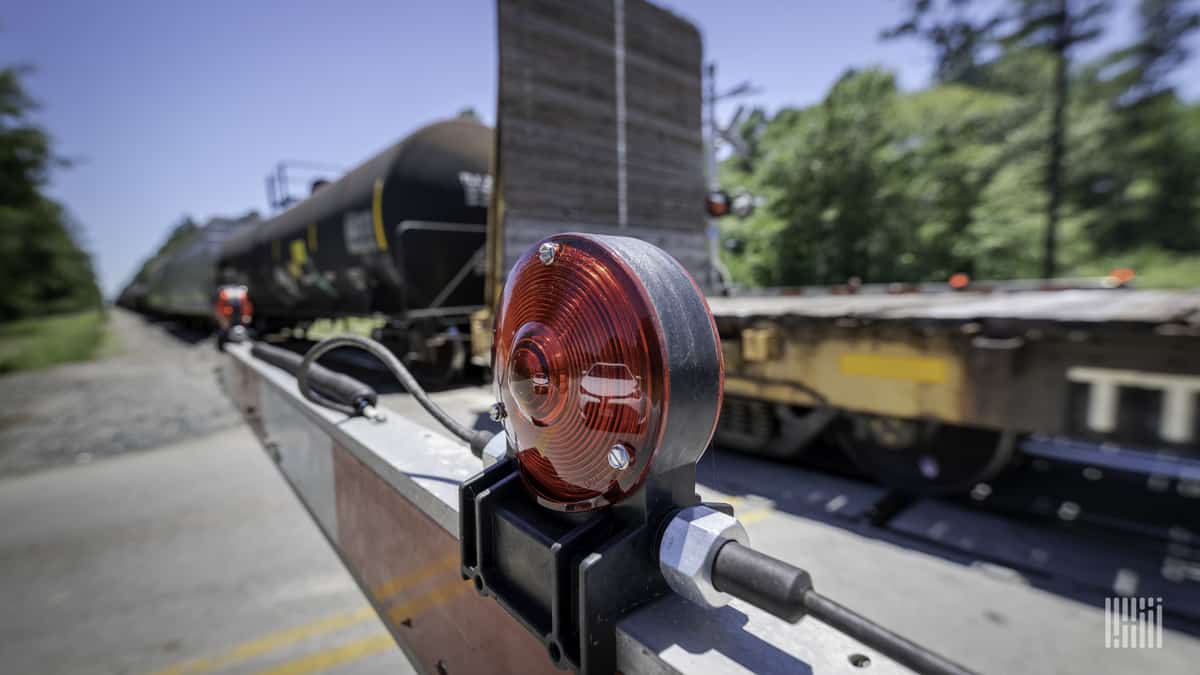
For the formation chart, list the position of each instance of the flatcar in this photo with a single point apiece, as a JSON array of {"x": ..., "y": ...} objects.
[{"x": 937, "y": 392}]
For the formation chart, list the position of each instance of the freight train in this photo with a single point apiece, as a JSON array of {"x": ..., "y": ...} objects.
[
  {"x": 401, "y": 236},
  {"x": 182, "y": 284},
  {"x": 929, "y": 391}
]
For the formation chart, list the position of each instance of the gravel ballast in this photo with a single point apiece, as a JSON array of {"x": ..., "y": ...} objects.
[{"x": 160, "y": 387}]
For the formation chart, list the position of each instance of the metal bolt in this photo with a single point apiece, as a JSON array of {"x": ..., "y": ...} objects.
[
  {"x": 497, "y": 412},
  {"x": 372, "y": 413},
  {"x": 547, "y": 252},
  {"x": 618, "y": 457}
]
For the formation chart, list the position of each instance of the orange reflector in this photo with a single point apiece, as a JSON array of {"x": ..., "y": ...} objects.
[{"x": 1123, "y": 275}]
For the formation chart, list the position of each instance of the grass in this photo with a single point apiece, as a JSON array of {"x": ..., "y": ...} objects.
[
  {"x": 30, "y": 344},
  {"x": 1155, "y": 268}
]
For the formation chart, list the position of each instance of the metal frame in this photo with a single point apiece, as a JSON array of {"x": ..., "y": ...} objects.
[{"x": 386, "y": 496}]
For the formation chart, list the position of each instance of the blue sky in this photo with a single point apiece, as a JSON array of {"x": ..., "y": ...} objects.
[{"x": 173, "y": 108}]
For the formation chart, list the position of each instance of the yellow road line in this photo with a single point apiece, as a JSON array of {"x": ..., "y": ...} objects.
[
  {"x": 335, "y": 656},
  {"x": 270, "y": 642},
  {"x": 351, "y": 651},
  {"x": 328, "y": 624},
  {"x": 436, "y": 596},
  {"x": 755, "y": 516},
  {"x": 397, "y": 584}
]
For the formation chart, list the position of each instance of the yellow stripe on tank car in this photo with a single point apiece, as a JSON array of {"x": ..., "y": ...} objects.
[
  {"x": 911, "y": 368},
  {"x": 299, "y": 256},
  {"x": 377, "y": 214},
  {"x": 312, "y": 236}
]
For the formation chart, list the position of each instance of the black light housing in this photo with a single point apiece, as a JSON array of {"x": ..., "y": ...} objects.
[{"x": 608, "y": 367}]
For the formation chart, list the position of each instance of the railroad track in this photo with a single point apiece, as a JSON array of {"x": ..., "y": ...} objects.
[{"x": 1042, "y": 523}]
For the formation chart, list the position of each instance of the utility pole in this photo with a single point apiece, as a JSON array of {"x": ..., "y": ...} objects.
[
  {"x": 710, "y": 103},
  {"x": 713, "y": 133},
  {"x": 1054, "y": 168}
]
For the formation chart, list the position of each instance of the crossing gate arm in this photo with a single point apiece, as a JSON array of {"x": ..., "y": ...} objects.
[{"x": 385, "y": 494}]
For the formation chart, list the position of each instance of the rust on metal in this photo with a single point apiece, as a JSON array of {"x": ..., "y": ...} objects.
[{"x": 409, "y": 566}]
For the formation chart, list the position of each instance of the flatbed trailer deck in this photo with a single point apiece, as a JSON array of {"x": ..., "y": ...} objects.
[{"x": 1103, "y": 366}]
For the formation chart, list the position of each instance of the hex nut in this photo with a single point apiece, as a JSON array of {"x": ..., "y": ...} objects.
[
  {"x": 495, "y": 451},
  {"x": 689, "y": 546}
]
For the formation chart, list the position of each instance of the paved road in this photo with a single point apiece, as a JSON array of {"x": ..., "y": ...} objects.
[{"x": 192, "y": 557}]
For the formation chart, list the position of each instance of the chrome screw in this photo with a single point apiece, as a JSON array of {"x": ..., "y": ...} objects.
[
  {"x": 618, "y": 457},
  {"x": 547, "y": 252},
  {"x": 497, "y": 412}
]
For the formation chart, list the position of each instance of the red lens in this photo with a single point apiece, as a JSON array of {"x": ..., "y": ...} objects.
[
  {"x": 717, "y": 204},
  {"x": 580, "y": 368}
]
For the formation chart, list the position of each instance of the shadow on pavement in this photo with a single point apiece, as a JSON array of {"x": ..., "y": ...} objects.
[
  {"x": 187, "y": 331},
  {"x": 1082, "y": 560}
]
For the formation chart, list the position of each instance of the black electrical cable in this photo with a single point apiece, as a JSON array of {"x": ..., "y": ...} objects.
[
  {"x": 864, "y": 630},
  {"x": 787, "y": 592},
  {"x": 476, "y": 439},
  {"x": 337, "y": 388}
]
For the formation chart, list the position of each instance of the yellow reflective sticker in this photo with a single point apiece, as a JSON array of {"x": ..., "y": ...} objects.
[{"x": 912, "y": 368}]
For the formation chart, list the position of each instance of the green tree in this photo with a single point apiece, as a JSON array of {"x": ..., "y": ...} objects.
[
  {"x": 1150, "y": 179},
  {"x": 1020, "y": 157},
  {"x": 835, "y": 183},
  {"x": 43, "y": 269},
  {"x": 961, "y": 41},
  {"x": 1054, "y": 27}
]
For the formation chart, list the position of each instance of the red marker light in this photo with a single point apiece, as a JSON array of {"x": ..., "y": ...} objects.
[
  {"x": 231, "y": 299},
  {"x": 1122, "y": 275},
  {"x": 582, "y": 366},
  {"x": 717, "y": 203},
  {"x": 959, "y": 281}
]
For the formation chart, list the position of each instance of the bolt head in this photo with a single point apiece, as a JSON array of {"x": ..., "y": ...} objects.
[
  {"x": 547, "y": 252},
  {"x": 618, "y": 457},
  {"x": 497, "y": 412}
]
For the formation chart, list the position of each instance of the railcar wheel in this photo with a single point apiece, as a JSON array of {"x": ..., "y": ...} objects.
[
  {"x": 437, "y": 355},
  {"x": 924, "y": 456},
  {"x": 769, "y": 429}
]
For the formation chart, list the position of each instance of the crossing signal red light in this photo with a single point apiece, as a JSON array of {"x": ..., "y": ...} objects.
[{"x": 717, "y": 203}]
